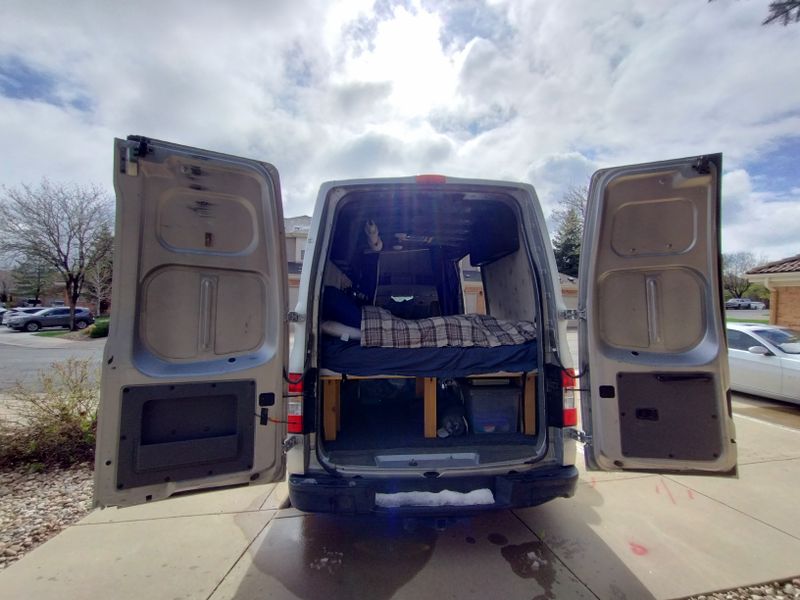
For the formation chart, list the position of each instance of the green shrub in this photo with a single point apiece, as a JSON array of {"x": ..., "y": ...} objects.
[
  {"x": 99, "y": 329},
  {"x": 55, "y": 422}
]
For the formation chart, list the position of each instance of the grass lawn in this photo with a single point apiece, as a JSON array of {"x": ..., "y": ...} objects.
[
  {"x": 732, "y": 320},
  {"x": 52, "y": 333},
  {"x": 60, "y": 332}
]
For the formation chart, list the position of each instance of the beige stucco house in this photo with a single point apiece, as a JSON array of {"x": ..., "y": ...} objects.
[{"x": 782, "y": 279}]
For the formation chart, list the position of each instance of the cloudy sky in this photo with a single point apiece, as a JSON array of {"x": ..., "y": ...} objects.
[{"x": 540, "y": 91}]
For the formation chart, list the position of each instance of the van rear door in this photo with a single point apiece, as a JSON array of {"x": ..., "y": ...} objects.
[
  {"x": 653, "y": 355},
  {"x": 192, "y": 381}
]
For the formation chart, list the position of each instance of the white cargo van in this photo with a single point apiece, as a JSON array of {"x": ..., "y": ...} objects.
[{"x": 392, "y": 399}]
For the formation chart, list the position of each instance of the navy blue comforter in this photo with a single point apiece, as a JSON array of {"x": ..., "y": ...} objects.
[{"x": 352, "y": 359}]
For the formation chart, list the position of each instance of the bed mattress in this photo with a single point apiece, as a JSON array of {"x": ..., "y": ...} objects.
[{"x": 352, "y": 359}]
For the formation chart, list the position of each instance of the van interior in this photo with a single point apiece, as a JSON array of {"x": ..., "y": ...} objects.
[{"x": 422, "y": 254}]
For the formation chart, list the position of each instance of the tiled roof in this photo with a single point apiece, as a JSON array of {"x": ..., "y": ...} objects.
[{"x": 785, "y": 265}]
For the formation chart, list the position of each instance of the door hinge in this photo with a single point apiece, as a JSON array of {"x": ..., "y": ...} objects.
[
  {"x": 702, "y": 165},
  {"x": 137, "y": 148},
  {"x": 572, "y": 314},
  {"x": 289, "y": 443},
  {"x": 294, "y": 317},
  {"x": 580, "y": 436}
]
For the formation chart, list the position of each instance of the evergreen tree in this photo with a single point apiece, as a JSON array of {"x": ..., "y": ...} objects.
[
  {"x": 567, "y": 244},
  {"x": 33, "y": 277}
]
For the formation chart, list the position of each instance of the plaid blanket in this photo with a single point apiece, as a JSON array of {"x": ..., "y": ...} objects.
[{"x": 379, "y": 328}]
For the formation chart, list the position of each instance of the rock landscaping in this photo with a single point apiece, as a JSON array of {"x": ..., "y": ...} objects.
[{"x": 35, "y": 506}]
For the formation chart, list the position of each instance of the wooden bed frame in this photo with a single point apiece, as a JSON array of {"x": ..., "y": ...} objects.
[{"x": 426, "y": 388}]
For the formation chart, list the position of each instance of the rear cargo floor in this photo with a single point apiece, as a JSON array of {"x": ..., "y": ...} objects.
[{"x": 399, "y": 427}]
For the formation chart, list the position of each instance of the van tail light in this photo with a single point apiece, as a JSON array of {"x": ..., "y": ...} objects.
[
  {"x": 568, "y": 385},
  {"x": 294, "y": 415}
]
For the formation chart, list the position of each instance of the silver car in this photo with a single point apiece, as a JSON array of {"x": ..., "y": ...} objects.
[{"x": 17, "y": 313}]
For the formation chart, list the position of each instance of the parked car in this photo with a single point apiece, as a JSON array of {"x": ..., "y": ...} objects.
[
  {"x": 18, "y": 312},
  {"x": 200, "y": 390},
  {"x": 739, "y": 303},
  {"x": 757, "y": 305},
  {"x": 51, "y": 317},
  {"x": 765, "y": 360}
]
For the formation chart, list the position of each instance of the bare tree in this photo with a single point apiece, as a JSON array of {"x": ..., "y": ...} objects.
[
  {"x": 58, "y": 224},
  {"x": 734, "y": 267},
  {"x": 98, "y": 274},
  {"x": 573, "y": 200},
  {"x": 784, "y": 12}
]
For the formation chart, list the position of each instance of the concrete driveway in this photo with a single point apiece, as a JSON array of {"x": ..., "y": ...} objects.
[{"x": 623, "y": 535}]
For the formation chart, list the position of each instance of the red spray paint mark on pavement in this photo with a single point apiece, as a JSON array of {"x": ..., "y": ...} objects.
[
  {"x": 638, "y": 549},
  {"x": 671, "y": 497},
  {"x": 593, "y": 482},
  {"x": 690, "y": 494},
  {"x": 658, "y": 489}
]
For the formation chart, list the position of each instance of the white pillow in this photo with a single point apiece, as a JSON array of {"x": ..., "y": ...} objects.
[{"x": 340, "y": 330}]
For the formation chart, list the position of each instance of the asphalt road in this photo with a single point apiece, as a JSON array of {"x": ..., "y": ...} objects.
[{"x": 23, "y": 355}]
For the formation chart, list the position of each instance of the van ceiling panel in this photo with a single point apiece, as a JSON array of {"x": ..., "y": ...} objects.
[{"x": 423, "y": 220}]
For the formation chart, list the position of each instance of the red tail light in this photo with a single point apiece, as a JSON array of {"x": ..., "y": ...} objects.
[
  {"x": 431, "y": 179},
  {"x": 295, "y": 383},
  {"x": 294, "y": 413},
  {"x": 568, "y": 385}
]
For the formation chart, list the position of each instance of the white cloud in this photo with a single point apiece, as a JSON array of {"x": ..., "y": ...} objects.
[
  {"x": 555, "y": 174},
  {"x": 764, "y": 223},
  {"x": 519, "y": 89}
]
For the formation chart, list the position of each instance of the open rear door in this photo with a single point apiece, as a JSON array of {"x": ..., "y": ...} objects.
[
  {"x": 652, "y": 345},
  {"x": 192, "y": 382}
]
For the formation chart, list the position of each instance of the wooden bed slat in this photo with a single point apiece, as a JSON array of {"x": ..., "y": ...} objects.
[
  {"x": 430, "y": 407},
  {"x": 529, "y": 408}
]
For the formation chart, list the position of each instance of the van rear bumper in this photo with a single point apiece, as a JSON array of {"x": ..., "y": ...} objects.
[{"x": 324, "y": 493}]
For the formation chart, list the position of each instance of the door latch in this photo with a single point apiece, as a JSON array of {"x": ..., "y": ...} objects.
[
  {"x": 572, "y": 314},
  {"x": 294, "y": 317},
  {"x": 580, "y": 436},
  {"x": 289, "y": 443}
]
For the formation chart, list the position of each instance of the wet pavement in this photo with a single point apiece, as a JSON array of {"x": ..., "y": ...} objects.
[{"x": 320, "y": 557}]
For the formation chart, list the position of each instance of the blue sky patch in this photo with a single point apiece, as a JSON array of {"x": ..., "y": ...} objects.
[
  {"x": 778, "y": 168},
  {"x": 21, "y": 81},
  {"x": 466, "y": 20}
]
